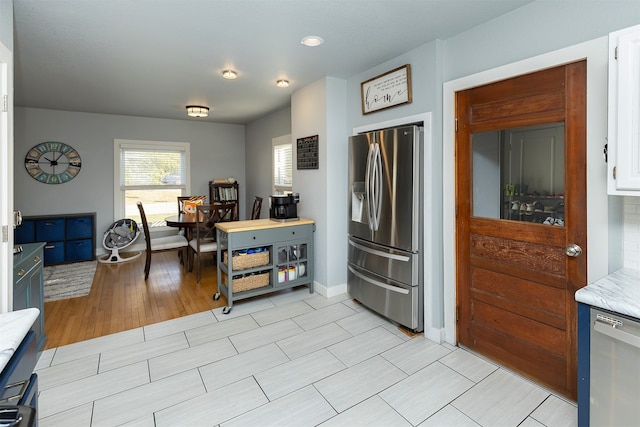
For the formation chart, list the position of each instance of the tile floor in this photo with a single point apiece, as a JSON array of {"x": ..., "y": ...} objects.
[{"x": 289, "y": 359}]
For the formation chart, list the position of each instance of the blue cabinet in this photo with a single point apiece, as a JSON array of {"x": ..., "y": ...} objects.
[
  {"x": 18, "y": 382},
  {"x": 28, "y": 286},
  {"x": 67, "y": 238},
  {"x": 26, "y": 232},
  {"x": 49, "y": 230}
]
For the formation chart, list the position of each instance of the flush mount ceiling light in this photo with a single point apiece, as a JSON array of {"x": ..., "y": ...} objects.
[
  {"x": 229, "y": 74},
  {"x": 312, "y": 41},
  {"x": 282, "y": 83},
  {"x": 197, "y": 111}
]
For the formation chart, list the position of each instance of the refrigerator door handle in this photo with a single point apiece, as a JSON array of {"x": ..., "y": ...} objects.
[
  {"x": 402, "y": 258},
  {"x": 378, "y": 283},
  {"x": 377, "y": 185},
  {"x": 367, "y": 185}
]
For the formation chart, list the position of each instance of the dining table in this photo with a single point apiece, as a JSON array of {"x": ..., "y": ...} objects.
[{"x": 186, "y": 221}]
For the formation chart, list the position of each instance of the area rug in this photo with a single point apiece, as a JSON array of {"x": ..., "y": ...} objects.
[{"x": 68, "y": 280}]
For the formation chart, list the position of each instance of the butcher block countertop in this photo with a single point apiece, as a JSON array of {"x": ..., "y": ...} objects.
[
  {"x": 618, "y": 292},
  {"x": 258, "y": 224}
]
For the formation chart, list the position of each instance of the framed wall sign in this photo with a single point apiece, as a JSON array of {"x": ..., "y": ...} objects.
[
  {"x": 307, "y": 152},
  {"x": 386, "y": 90}
]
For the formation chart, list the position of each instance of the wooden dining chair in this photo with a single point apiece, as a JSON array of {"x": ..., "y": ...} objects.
[
  {"x": 205, "y": 234},
  {"x": 257, "y": 207},
  {"x": 181, "y": 202},
  {"x": 158, "y": 244}
]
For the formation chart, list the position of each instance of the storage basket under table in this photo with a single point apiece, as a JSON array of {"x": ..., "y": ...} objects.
[
  {"x": 244, "y": 261},
  {"x": 249, "y": 281}
]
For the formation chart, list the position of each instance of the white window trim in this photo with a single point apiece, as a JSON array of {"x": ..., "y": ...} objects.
[
  {"x": 280, "y": 140},
  {"x": 118, "y": 196}
]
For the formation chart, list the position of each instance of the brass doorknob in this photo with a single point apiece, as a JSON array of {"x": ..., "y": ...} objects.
[{"x": 573, "y": 250}]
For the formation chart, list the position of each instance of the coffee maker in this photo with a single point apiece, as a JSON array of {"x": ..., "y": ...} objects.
[{"x": 284, "y": 208}]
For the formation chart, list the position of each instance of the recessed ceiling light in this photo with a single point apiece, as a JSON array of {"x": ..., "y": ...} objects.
[
  {"x": 229, "y": 74},
  {"x": 312, "y": 41},
  {"x": 282, "y": 83}
]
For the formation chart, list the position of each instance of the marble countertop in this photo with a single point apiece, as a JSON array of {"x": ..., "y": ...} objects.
[
  {"x": 618, "y": 292},
  {"x": 14, "y": 326}
]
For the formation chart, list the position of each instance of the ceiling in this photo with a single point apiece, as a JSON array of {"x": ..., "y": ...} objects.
[{"x": 152, "y": 58}]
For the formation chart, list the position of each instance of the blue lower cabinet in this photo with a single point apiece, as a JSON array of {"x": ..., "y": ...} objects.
[
  {"x": 79, "y": 250},
  {"x": 25, "y": 232},
  {"x": 68, "y": 237},
  {"x": 18, "y": 383},
  {"x": 79, "y": 228},
  {"x": 49, "y": 230},
  {"x": 54, "y": 253}
]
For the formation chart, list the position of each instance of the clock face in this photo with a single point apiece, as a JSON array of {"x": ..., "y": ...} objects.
[{"x": 53, "y": 162}]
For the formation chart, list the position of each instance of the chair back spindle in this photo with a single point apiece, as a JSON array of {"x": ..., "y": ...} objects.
[{"x": 257, "y": 207}]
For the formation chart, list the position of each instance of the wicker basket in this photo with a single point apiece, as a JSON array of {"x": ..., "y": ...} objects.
[
  {"x": 241, "y": 262},
  {"x": 245, "y": 283}
]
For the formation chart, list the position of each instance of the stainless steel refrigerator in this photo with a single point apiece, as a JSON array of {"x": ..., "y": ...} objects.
[{"x": 385, "y": 271}]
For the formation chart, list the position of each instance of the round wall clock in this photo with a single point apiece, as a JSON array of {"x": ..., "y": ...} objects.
[{"x": 53, "y": 162}]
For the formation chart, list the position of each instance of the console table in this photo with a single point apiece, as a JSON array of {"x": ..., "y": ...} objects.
[{"x": 260, "y": 256}]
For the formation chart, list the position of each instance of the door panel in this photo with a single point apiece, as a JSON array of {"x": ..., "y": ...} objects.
[
  {"x": 398, "y": 171},
  {"x": 515, "y": 284}
]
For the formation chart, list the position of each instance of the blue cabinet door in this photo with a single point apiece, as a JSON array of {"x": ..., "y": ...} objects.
[
  {"x": 79, "y": 250},
  {"x": 49, "y": 230},
  {"x": 79, "y": 228},
  {"x": 53, "y": 253},
  {"x": 25, "y": 233}
]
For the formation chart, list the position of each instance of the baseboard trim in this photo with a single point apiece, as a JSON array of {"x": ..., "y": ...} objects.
[{"x": 329, "y": 292}]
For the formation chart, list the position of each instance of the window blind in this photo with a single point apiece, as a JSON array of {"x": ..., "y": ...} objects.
[
  {"x": 140, "y": 167},
  {"x": 283, "y": 165}
]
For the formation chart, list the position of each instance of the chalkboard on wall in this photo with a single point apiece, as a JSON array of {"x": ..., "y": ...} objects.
[{"x": 307, "y": 152}]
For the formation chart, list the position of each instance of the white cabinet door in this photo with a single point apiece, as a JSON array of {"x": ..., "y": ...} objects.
[{"x": 624, "y": 112}]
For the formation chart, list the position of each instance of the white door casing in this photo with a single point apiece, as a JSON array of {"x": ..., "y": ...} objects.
[{"x": 6, "y": 179}]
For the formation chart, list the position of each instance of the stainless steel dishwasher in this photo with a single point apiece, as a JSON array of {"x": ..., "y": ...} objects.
[{"x": 615, "y": 370}]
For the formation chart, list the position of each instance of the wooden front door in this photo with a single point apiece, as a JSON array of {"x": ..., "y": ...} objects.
[{"x": 520, "y": 205}]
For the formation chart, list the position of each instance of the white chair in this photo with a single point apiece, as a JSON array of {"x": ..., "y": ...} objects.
[{"x": 159, "y": 243}]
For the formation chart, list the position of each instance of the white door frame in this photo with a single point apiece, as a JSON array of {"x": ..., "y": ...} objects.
[
  {"x": 6, "y": 180},
  {"x": 596, "y": 54}
]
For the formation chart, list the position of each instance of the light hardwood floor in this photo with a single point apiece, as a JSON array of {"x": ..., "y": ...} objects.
[{"x": 120, "y": 299}]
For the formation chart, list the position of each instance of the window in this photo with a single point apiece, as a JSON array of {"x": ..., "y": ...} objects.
[
  {"x": 152, "y": 172},
  {"x": 282, "y": 164}
]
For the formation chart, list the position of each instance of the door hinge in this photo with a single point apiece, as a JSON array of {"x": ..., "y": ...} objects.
[
  {"x": 5, "y": 233},
  {"x": 5, "y": 103},
  {"x": 456, "y": 125},
  {"x": 614, "y": 172},
  {"x": 615, "y": 53},
  {"x": 456, "y": 211},
  {"x": 457, "y": 313}
]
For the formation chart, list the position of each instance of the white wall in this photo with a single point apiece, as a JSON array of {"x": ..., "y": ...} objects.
[
  {"x": 6, "y": 23},
  {"x": 258, "y": 136},
  {"x": 631, "y": 245},
  {"x": 336, "y": 158},
  {"x": 217, "y": 150},
  {"x": 536, "y": 28},
  {"x": 319, "y": 109}
]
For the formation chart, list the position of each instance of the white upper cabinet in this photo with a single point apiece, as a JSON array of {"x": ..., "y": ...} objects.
[{"x": 624, "y": 112}]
